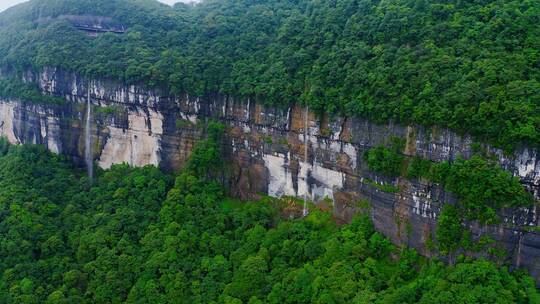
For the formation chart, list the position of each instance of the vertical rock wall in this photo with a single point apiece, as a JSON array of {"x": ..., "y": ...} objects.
[{"x": 265, "y": 146}]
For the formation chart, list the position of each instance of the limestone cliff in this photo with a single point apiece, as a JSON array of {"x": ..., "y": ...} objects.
[{"x": 265, "y": 147}]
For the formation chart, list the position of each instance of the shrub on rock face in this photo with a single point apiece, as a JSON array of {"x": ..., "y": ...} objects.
[
  {"x": 483, "y": 188},
  {"x": 386, "y": 160},
  {"x": 450, "y": 230}
]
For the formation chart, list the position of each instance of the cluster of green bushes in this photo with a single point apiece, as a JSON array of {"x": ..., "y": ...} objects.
[
  {"x": 471, "y": 66},
  {"x": 138, "y": 235},
  {"x": 383, "y": 187},
  {"x": 108, "y": 110},
  {"x": 481, "y": 186},
  {"x": 386, "y": 160},
  {"x": 14, "y": 88}
]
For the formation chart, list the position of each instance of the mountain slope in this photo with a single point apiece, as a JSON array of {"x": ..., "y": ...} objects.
[
  {"x": 133, "y": 237},
  {"x": 472, "y": 66}
]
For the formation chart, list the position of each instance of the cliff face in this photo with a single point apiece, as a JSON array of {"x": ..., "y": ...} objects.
[{"x": 266, "y": 151}]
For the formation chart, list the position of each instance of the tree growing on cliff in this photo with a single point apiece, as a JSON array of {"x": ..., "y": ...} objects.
[
  {"x": 386, "y": 160},
  {"x": 451, "y": 232}
]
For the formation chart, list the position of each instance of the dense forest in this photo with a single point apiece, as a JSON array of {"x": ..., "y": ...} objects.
[
  {"x": 138, "y": 235},
  {"x": 472, "y": 66},
  {"x": 141, "y": 235}
]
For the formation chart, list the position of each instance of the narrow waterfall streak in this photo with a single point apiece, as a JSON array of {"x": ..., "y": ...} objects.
[
  {"x": 305, "y": 211},
  {"x": 88, "y": 138}
]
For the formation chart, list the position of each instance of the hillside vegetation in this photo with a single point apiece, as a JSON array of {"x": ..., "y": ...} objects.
[
  {"x": 138, "y": 235},
  {"x": 472, "y": 66}
]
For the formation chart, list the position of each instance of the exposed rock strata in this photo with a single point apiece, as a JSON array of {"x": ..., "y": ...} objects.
[{"x": 265, "y": 147}]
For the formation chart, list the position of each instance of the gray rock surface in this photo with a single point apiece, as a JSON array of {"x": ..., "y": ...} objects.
[{"x": 265, "y": 151}]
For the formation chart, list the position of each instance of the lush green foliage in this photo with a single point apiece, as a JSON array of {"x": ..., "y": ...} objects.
[
  {"x": 468, "y": 65},
  {"x": 451, "y": 235},
  {"x": 383, "y": 187},
  {"x": 205, "y": 160},
  {"x": 482, "y": 187},
  {"x": 388, "y": 161},
  {"x": 419, "y": 168},
  {"x": 480, "y": 184},
  {"x": 13, "y": 88},
  {"x": 135, "y": 237}
]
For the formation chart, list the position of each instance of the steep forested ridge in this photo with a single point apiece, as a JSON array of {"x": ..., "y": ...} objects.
[
  {"x": 139, "y": 236},
  {"x": 472, "y": 66}
]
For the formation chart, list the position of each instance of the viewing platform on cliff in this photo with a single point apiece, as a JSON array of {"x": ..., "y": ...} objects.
[
  {"x": 98, "y": 29},
  {"x": 92, "y": 25},
  {"x": 95, "y": 25}
]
